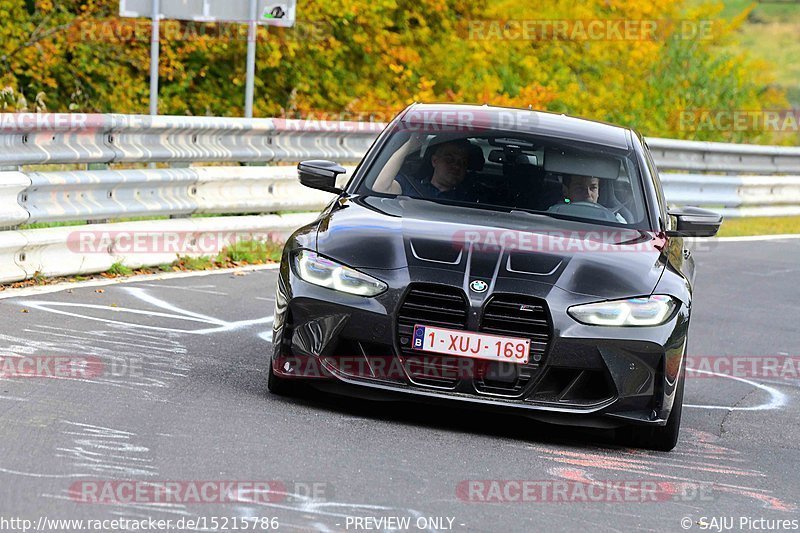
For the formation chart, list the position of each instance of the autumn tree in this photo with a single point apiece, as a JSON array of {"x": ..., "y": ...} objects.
[{"x": 376, "y": 57}]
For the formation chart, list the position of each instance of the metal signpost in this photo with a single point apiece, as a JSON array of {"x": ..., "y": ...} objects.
[
  {"x": 253, "y": 12},
  {"x": 154, "y": 52}
]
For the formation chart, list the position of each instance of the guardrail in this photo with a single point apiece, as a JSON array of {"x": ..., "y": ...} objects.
[
  {"x": 738, "y": 180},
  {"x": 31, "y": 139},
  {"x": 37, "y": 197}
]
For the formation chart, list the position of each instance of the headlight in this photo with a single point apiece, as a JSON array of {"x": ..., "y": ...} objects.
[
  {"x": 650, "y": 311},
  {"x": 320, "y": 270}
]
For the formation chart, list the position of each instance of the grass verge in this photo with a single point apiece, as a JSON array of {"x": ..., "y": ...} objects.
[
  {"x": 740, "y": 227},
  {"x": 242, "y": 253}
]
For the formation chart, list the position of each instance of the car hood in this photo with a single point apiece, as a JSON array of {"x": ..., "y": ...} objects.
[{"x": 376, "y": 233}]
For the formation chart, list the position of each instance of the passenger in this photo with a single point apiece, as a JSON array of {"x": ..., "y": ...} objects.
[{"x": 449, "y": 160}]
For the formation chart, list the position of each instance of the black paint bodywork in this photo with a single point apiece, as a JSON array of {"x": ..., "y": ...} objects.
[{"x": 404, "y": 241}]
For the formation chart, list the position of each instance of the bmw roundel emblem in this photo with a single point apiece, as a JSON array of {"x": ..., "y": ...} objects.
[{"x": 478, "y": 286}]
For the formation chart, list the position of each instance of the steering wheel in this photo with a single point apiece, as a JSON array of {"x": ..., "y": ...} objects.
[{"x": 605, "y": 212}]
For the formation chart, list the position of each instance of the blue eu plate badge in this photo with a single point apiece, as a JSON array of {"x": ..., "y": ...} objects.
[{"x": 419, "y": 336}]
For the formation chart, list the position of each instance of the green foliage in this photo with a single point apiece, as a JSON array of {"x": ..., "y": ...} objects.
[
  {"x": 251, "y": 252},
  {"x": 195, "y": 263},
  {"x": 376, "y": 57},
  {"x": 118, "y": 269}
]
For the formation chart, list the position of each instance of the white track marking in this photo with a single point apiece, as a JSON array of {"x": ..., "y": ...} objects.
[
  {"x": 98, "y": 340},
  {"x": 770, "y": 273},
  {"x": 13, "y": 399},
  {"x": 230, "y": 326},
  {"x": 149, "y": 508},
  {"x": 221, "y": 325},
  {"x": 51, "y": 307},
  {"x": 198, "y": 288},
  {"x": 59, "y": 287},
  {"x": 177, "y": 313},
  {"x": 777, "y": 399},
  {"x": 34, "y": 474},
  {"x": 158, "y": 302}
]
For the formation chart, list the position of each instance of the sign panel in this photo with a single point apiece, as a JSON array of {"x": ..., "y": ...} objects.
[
  {"x": 278, "y": 13},
  {"x": 269, "y": 12}
]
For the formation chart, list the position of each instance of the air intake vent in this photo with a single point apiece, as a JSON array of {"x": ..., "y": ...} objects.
[
  {"x": 516, "y": 316},
  {"x": 576, "y": 387},
  {"x": 430, "y": 305}
]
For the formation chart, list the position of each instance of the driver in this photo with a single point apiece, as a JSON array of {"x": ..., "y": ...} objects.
[{"x": 579, "y": 188}]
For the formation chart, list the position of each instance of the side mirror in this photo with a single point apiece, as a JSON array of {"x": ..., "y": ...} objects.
[
  {"x": 320, "y": 174},
  {"x": 694, "y": 222}
]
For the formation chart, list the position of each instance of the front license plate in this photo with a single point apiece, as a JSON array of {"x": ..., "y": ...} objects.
[{"x": 469, "y": 344}]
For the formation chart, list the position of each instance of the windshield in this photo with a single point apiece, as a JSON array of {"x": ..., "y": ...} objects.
[{"x": 500, "y": 170}]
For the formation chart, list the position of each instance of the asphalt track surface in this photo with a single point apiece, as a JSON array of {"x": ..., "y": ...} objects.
[{"x": 194, "y": 407}]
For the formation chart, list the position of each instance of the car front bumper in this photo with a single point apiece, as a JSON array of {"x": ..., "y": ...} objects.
[{"x": 588, "y": 375}]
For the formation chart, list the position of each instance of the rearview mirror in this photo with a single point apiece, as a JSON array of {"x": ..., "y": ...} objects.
[
  {"x": 694, "y": 222},
  {"x": 320, "y": 174}
]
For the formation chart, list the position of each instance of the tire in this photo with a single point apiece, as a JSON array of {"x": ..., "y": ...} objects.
[
  {"x": 660, "y": 438},
  {"x": 278, "y": 385},
  {"x": 275, "y": 384}
]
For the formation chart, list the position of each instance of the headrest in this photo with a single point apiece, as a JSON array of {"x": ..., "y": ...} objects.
[{"x": 476, "y": 160}]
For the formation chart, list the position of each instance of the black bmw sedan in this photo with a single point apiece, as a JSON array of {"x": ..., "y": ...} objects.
[{"x": 510, "y": 259}]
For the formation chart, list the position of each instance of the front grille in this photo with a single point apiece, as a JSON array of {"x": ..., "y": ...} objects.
[
  {"x": 431, "y": 305},
  {"x": 515, "y": 316}
]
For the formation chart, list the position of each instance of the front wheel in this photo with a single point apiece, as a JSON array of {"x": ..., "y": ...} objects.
[
  {"x": 278, "y": 385},
  {"x": 661, "y": 438}
]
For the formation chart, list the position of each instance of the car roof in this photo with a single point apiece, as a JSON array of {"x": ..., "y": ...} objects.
[{"x": 465, "y": 117}]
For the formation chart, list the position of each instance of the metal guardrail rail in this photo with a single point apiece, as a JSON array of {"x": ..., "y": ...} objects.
[
  {"x": 737, "y": 180},
  {"x": 32, "y": 139},
  {"x": 36, "y": 197}
]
